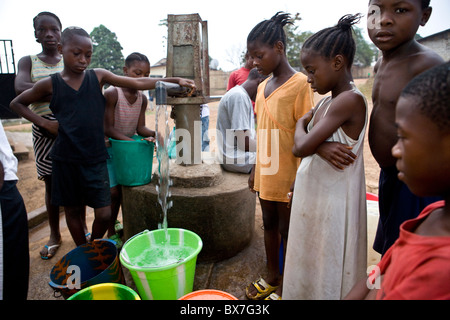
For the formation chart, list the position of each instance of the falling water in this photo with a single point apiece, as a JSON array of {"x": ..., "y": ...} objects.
[{"x": 162, "y": 144}]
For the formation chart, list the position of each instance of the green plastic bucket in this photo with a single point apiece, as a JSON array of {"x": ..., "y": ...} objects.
[
  {"x": 132, "y": 161},
  {"x": 106, "y": 291},
  {"x": 162, "y": 270}
]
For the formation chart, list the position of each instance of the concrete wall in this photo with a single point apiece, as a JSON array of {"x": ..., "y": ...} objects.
[{"x": 438, "y": 42}]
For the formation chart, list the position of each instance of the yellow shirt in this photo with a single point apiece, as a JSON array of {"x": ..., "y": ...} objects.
[{"x": 277, "y": 116}]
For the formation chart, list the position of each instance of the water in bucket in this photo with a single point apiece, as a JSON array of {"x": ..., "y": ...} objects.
[{"x": 161, "y": 269}]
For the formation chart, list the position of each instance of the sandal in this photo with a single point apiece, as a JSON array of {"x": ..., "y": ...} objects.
[
  {"x": 118, "y": 228},
  {"x": 49, "y": 248},
  {"x": 118, "y": 242},
  {"x": 261, "y": 293},
  {"x": 273, "y": 296}
]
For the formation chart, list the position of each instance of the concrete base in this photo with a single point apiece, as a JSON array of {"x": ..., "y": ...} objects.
[{"x": 221, "y": 211}]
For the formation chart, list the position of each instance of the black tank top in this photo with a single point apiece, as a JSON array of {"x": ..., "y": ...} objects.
[{"x": 80, "y": 116}]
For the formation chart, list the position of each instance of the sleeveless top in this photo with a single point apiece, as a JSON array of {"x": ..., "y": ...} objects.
[
  {"x": 80, "y": 115},
  {"x": 328, "y": 220},
  {"x": 41, "y": 70},
  {"x": 126, "y": 115}
]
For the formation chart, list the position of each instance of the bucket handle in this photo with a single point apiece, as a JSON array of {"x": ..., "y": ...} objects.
[{"x": 56, "y": 289}]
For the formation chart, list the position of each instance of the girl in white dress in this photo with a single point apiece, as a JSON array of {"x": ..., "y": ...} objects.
[{"x": 327, "y": 247}]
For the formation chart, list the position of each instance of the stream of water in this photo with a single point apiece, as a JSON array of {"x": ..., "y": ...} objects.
[{"x": 162, "y": 130}]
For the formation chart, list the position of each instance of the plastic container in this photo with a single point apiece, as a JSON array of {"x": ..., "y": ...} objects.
[
  {"x": 132, "y": 161},
  {"x": 173, "y": 276},
  {"x": 94, "y": 263},
  {"x": 106, "y": 291},
  {"x": 209, "y": 294}
]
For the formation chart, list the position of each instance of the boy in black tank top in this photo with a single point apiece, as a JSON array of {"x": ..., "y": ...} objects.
[{"x": 80, "y": 175}]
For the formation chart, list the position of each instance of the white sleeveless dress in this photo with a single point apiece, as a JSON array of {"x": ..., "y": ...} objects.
[{"x": 327, "y": 244}]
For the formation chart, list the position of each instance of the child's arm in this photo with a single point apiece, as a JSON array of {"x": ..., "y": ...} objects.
[
  {"x": 108, "y": 121},
  {"x": 22, "y": 81},
  {"x": 141, "y": 129},
  {"x": 145, "y": 83},
  {"x": 39, "y": 92},
  {"x": 360, "y": 291},
  {"x": 341, "y": 112}
]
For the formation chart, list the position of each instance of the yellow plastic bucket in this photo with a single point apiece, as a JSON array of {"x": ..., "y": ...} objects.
[{"x": 106, "y": 291}]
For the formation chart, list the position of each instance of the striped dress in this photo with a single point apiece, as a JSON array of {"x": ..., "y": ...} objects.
[
  {"x": 42, "y": 140},
  {"x": 126, "y": 115}
]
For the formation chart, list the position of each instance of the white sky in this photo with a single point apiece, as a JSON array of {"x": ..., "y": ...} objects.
[{"x": 135, "y": 22}]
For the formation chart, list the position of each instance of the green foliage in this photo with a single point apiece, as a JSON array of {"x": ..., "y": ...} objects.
[
  {"x": 365, "y": 52},
  {"x": 107, "y": 50},
  {"x": 294, "y": 42}
]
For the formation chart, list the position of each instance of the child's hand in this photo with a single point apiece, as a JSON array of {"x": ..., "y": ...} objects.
[
  {"x": 189, "y": 84},
  {"x": 290, "y": 194},
  {"x": 338, "y": 154},
  {"x": 52, "y": 127},
  {"x": 251, "y": 180},
  {"x": 150, "y": 139}
]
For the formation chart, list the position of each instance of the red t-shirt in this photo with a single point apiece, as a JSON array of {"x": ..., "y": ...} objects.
[
  {"x": 416, "y": 267},
  {"x": 238, "y": 77}
]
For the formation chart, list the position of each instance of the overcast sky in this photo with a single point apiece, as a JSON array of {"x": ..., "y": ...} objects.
[{"x": 135, "y": 22}]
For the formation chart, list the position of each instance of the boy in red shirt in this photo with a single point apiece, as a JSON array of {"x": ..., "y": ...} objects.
[{"x": 417, "y": 266}]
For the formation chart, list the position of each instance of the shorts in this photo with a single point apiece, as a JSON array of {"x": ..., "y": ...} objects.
[
  {"x": 75, "y": 184},
  {"x": 111, "y": 172}
]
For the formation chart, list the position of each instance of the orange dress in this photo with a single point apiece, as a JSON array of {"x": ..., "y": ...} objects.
[{"x": 277, "y": 116}]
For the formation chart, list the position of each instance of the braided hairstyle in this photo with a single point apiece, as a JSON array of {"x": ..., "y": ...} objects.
[
  {"x": 332, "y": 41},
  {"x": 46, "y": 13},
  {"x": 271, "y": 31}
]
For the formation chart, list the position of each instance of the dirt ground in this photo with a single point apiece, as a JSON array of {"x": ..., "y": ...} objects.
[{"x": 32, "y": 189}]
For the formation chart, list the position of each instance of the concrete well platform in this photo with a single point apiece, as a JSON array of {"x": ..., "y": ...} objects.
[{"x": 215, "y": 204}]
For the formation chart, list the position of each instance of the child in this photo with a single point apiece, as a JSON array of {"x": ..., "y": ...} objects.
[
  {"x": 237, "y": 151},
  {"x": 327, "y": 248},
  {"x": 402, "y": 59},
  {"x": 14, "y": 254},
  {"x": 47, "y": 30},
  {"x": 239, "y": 76},
  {"x": 281, "y": 100},
  {"x": 124, "y": 117},
  {"x": 79, "y": 155},
  {"x": 417, "y": 266}
]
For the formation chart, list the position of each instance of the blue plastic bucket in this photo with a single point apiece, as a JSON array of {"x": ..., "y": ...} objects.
[
  {"x": 132, "y": 161},
  {"x": 95, "y": 262}
]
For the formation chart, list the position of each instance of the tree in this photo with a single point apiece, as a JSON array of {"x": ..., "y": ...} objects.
[
  {"x": 107, "y": 52},
  {"x": 365, "y": 52},
  {"x": 294, "y": 42}
]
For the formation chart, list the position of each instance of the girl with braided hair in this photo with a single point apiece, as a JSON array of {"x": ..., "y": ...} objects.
[
  {"x": 327, "y": 248},
  {"x": 281, "y": 100}
]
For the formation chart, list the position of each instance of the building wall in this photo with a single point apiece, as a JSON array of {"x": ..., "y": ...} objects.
[
  {"x": 439, "y": 43},
  {"x": 218, "y": 79}
]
